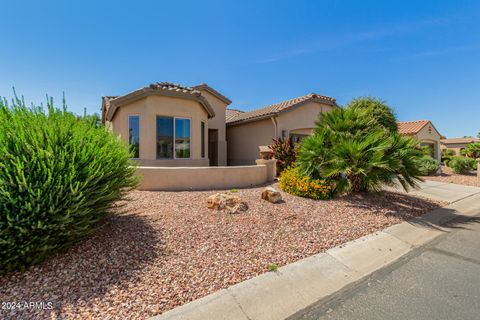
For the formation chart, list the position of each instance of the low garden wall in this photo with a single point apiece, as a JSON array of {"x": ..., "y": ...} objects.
[{"x": 206, "y": 178}]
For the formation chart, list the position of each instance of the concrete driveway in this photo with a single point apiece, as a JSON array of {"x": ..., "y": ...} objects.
[
  {"x": 443, "y": 191},
  {"x": 437, "y": 281}
]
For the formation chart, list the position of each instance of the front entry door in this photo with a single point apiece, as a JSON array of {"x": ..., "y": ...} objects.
[{"x": 213, "y": 146}]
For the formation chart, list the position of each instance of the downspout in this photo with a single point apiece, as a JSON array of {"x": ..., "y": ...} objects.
[{"x": 274, "y": 120}]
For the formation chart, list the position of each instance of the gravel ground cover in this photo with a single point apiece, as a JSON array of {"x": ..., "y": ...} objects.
[
  {"x": 163, "y": 249},
  {"x": 448, "y": 175}
]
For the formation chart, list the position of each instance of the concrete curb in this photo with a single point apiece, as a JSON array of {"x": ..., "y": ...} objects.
[{"x": 277, "y": 295}]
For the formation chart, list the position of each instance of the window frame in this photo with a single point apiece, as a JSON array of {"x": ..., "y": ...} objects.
[
  {"x": 203, "y": 150},
  {"x": 128, "y": 126},
  {"x": 174, "y": 137}
]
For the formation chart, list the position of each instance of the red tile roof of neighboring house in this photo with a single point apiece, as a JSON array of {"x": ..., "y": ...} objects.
[
  {"x": 459, "y": 140},
  {"x": 277, "y": 108},
  {"x": 411, "y": 127}
]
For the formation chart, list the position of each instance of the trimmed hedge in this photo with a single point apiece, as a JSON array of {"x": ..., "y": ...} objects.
[
  {"x": 428, "y": 166},
  {"x": 293, "y": 182},
  {"x": 59, "y": 176},
  {"x": 462, "y": 165}
]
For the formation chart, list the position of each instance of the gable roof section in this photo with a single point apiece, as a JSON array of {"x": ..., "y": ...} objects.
[
  {"x": 206, "y": 87},
  {"x": 278, "y": 108},
  {"x": 111, "y": 104},
  {"x": 459, "y": 140},
  {"x": 411, "y": 127}
]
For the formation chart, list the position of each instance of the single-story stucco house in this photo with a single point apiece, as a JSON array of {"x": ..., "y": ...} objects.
[
  {"x": 457, "y": 144},
  {"x": 169, "y": 125},
  {"x": 425, "y": 132}
]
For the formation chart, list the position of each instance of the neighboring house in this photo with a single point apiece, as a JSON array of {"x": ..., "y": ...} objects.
[
  {"x": 171, "y": 125},
  {"x": 425, "y": 132},
  {"x": 295, "y": 118},
  {"x": 457, "y": 144}
]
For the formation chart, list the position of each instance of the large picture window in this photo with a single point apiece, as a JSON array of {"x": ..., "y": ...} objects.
[
  {"x": 182, "y": 138},
  {"x": 164, "y": 138},
  {"x": 173, "y": 138},
  {"x": 134, "y": 135}
]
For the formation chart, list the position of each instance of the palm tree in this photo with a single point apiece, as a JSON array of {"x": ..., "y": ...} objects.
[{"x": 354, "y": 149}]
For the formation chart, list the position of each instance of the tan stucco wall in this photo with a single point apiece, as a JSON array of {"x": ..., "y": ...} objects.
[
  {"x": 218, "y": 122},
  {"x": 244, "y": 139},
  {"x": 431, "y": 136},
  {"x": 148, "y": 108},
  {"x": 204, "y": 178},
  {"x": 300, "y": 119}
]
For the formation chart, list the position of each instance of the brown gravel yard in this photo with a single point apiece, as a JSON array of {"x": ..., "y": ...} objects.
[
  {"x": 164, "y": 249},
  {"x": 449, "y": 176}
]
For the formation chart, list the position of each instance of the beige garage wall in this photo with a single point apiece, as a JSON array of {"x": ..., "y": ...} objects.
[
  {"x": 204, "y": 178},
  {"x": 243, "y": 141},
  {"x": 148, "y": 108},
  {"x": 300, "y": 119}
]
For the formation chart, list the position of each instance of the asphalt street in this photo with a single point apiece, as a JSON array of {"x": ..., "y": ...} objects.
[{"x": 438, "y": 281}]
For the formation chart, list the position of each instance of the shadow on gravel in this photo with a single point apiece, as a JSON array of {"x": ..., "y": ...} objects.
[
  {"x": 403, "y": 206},
  {"x": 111, "y": 258}
]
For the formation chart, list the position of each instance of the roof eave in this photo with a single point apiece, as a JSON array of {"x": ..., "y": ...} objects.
[{"x": 147, "y": 91}]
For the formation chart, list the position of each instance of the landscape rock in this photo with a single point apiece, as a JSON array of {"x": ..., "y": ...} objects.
[
  {"x": 271, "y": 195},
  {"x": 232, "y": 203}
]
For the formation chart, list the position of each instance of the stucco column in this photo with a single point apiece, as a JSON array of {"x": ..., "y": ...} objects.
[
  {"x": 478, "y": 168},
  {"x": 271, "y": 167}
]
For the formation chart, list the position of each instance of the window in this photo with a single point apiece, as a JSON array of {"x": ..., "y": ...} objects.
[
  {"x": 182, "y": 138},
  {"x": 164, "y": 138},
  {"x": 173, "y": 138},
  {"x": 134, "y": 135},
  {"x": 202, "y": 134},
  {"x": 297, "y": 138}
]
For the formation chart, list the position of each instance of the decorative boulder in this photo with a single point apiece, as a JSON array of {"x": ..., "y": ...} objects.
[
  {"x": 271, "y": 195},
  {"x": 232, "y": 203}
]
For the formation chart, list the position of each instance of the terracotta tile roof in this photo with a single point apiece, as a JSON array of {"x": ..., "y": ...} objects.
[
  {"x": 175, "y": 87},
  {"x": 411, "y": 127},
  {"x": 232, "y": 113},
  {"x": 459, "y": 140},
  {"x": 111, "y": 103},
  {"x": 277, "y": 108}
]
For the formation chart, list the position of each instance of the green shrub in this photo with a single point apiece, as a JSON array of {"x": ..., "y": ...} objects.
[
  {"x": 59, "y": 176},
  {"x": 462, "y": 165},
  {"x": 472, "y": 150},
  {"x": 284, "y": 152},
  {"x": 293, "y": 182},
  {"x": 447, "y": 154},
  {"x": 428, "y": 166},
  {"x": 350, "y": 147}
]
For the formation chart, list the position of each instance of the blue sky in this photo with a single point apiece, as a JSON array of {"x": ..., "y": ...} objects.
[{"x": 423, "y": 57}]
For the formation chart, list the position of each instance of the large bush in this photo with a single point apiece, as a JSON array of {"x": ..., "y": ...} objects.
[
  {"x": 428, "y": 166},
  {"x": 284, "y": 152},
  {"x": 293, "y": 182},
  {"x": 350, "y": 146},
  {"x": 472, "y": 150},
  {"x": 59, "y": 176},
  {"x": 462, "y": 165},
  {"x": 378, "y": 110},
  {"x": 447, "y": 154}
]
